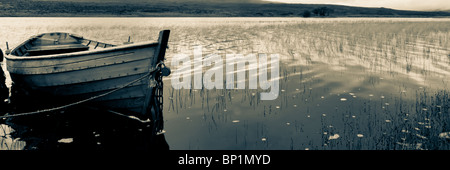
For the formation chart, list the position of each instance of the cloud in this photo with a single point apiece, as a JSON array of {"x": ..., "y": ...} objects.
[{"x": 395, "y": 4}]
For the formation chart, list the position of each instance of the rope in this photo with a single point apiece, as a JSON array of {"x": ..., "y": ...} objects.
[{"x": 79, "y": 102}]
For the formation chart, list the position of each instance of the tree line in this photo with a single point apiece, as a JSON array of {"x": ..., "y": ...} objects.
[{"x": 321, "y": 11}]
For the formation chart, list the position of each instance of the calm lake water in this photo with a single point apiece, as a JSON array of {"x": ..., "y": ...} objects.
[{"x": 345, "y": 83}]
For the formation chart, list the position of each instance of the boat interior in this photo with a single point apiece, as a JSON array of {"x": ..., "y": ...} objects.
[{"x": 56, "y": 43}]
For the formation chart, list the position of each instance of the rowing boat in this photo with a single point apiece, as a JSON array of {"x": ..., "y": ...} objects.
[{"x": 66, "y": 68}]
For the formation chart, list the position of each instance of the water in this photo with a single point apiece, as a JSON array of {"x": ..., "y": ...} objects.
[{"x": 365, "y": 83}]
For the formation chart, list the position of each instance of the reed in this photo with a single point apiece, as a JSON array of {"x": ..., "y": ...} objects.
[{"x": 395, "y": 70}]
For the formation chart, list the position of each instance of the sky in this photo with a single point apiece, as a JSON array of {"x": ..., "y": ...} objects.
[{"x": 395, "y": 4}]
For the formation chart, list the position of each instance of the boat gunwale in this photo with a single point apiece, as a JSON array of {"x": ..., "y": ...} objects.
[
  {"x": 81, "y": 53},
  {"x": 146, "y": 108}
]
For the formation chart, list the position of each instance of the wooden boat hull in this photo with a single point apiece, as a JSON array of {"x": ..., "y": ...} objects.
[{"x": 76, "y": 76}]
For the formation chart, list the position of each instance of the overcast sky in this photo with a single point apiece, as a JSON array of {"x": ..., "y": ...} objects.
[{"x": 396, "y": 4}]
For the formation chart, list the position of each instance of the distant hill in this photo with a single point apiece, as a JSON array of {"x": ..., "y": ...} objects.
[
  {"x": 169, "y": 1},
  {"x": 194, "y": 8}
]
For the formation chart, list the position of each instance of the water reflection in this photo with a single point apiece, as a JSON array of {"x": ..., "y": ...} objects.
[
  {"x": 79, "y": 129},
  {"x": 360, "y": 83},
  {"x": 339, "y": 90}
]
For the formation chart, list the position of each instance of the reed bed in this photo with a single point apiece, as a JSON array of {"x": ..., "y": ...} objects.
[{"x": 362, "y": 83}]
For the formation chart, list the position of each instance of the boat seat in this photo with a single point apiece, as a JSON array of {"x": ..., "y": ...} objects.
[{"x": 56, "y": 49}]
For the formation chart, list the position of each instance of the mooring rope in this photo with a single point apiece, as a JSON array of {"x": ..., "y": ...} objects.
[{"x": 79, "y": 102}]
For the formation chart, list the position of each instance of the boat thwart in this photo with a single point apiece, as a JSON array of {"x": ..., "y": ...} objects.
[{"x": 62, "y": 68}]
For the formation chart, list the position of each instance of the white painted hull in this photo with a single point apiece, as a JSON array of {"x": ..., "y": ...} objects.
[{"x": 84, "y": 74}]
